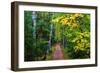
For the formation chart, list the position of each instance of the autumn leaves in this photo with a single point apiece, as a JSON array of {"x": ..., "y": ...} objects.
[
  {"x": 76, "y": 31},
  {"x": 70, "y": 20}
]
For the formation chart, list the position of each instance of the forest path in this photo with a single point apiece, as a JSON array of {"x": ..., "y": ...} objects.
[{"x": 58, "y": 52}]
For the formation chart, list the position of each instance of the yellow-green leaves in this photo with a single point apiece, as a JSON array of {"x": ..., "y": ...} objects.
[
  {"x": 69, "y": 20},
  {"x": 82, "y": 41}
]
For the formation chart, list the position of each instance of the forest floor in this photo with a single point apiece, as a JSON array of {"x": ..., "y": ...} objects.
[{"x": 58, "y": 52}]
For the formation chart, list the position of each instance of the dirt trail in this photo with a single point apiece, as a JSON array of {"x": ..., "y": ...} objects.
[{"x": 58, "y": 53}]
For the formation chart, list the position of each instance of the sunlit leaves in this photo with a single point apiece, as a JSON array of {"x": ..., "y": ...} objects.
[
  {"x": 73, "y": 29},
  {"x": 76, "y": 32},
  {"x": 70, "y": 20},
  {"x": 82, "y": 42}
]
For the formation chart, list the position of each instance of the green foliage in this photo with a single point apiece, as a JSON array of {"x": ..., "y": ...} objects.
[
  {"x": 36, "y": 45},
  {"x": 29, "y": 40},
  {"x": 76, "y": 34},
  {"x": 82, "y": 44},
  {"x": 72, "y": 30}
]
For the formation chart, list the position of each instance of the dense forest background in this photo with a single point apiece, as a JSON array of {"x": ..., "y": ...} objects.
[{"x": 56, "y": 35}]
